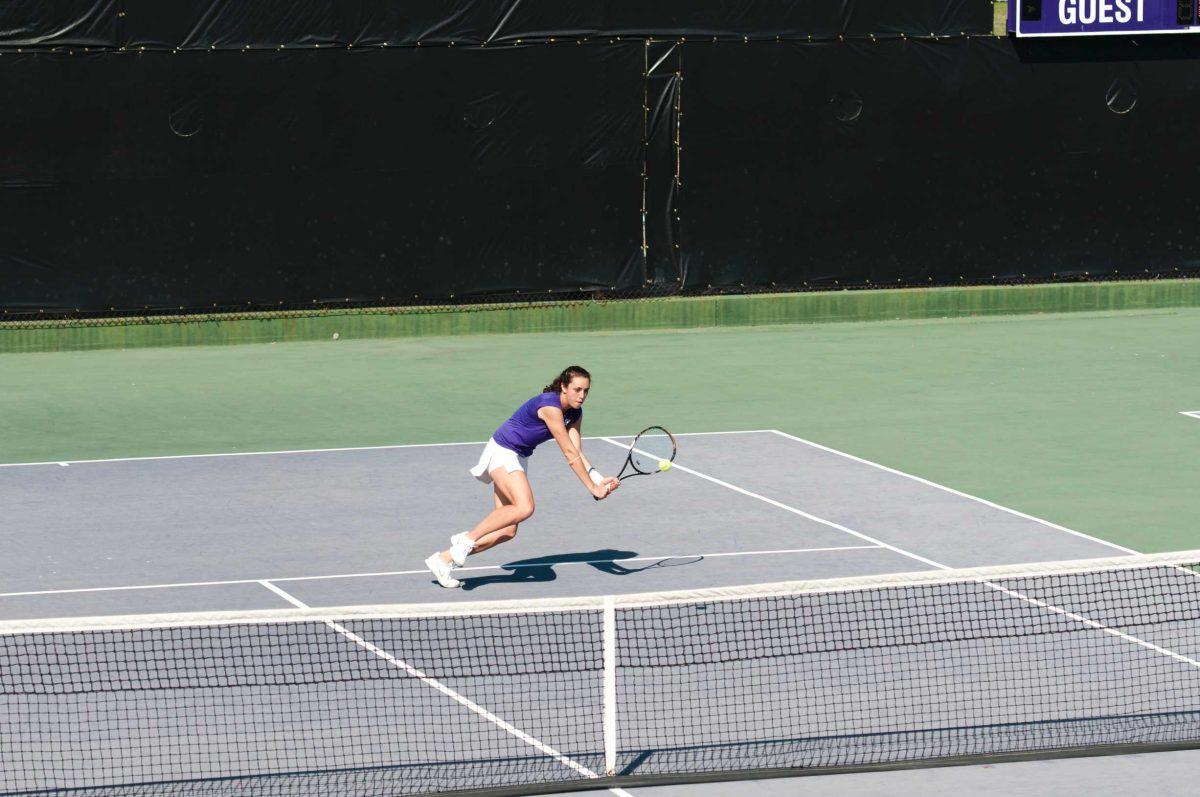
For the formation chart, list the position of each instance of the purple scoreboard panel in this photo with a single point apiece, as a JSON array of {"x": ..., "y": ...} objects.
[{"x": 1101, "y": 17}]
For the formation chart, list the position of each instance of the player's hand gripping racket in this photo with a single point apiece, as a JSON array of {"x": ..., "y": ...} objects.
[{"x": 652, "y": 451}]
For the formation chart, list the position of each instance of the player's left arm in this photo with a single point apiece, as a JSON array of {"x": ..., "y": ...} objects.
[{"x": 575, "y": 432}]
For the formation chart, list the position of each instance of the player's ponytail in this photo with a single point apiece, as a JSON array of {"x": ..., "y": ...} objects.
[{"x": 565, "y": 378}]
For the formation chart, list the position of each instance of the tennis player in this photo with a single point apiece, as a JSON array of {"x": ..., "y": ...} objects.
[{"x": 557, "y": 412}]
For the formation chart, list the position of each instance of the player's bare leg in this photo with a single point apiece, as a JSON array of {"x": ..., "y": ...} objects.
[
  {"x": 513, "y": 501},
  {"x": 500, "y": 535}
]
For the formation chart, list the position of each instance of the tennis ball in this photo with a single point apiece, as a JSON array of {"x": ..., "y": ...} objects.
[{"x": 664, "y": 465}]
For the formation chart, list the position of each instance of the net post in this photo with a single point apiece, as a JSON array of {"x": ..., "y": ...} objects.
[{"x": 610, "y": 686}]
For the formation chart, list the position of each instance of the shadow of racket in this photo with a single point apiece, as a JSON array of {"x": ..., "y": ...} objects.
[{"x": 670, "y": 561}]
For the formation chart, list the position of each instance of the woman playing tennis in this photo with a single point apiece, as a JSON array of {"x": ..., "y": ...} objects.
[{"x": 557, "y": 412}]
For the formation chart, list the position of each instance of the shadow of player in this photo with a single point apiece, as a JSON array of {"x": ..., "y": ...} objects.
[{"x": 541, "y": 568}]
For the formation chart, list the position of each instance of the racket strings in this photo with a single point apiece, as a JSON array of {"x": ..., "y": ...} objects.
[{"x": 650, "y": 449}]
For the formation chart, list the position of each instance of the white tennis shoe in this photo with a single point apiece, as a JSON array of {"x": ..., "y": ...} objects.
[
  {"x": 442, "y": 572},
  {"x": 460, "y": 547}
]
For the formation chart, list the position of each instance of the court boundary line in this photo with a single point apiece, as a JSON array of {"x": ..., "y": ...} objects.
[
  {"x": 331, "y": 577},
  {"x": 437, "y": 685},
  {"x": 794, "y": 510},
  {"x": 1191, "y": 413},
  {"x": 67, "y": 462},
  {"x": 960, "y": 493},
  {"x": 969, "y": 496},
  {"x": 1020, "y": 596}
]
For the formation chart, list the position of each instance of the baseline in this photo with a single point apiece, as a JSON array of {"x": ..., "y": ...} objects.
[
  {"x": 62, "y": 463},
  {"x": 424, "y": 571},
  {"x": 953, "y": 491}
]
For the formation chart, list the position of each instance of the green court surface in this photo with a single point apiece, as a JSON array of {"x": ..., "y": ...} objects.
[{"x": 1074, "y": 417}]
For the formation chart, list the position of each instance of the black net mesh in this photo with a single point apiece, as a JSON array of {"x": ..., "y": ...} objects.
[{"x": 826, "y": 676}]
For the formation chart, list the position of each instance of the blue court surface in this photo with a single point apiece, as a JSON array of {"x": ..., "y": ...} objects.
[
  {"x": 350, "y": 527},
  {"x": 353, "y": 526}
]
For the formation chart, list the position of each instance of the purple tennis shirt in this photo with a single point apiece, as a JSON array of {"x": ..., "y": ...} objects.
[{"x": 525, "y": 431}]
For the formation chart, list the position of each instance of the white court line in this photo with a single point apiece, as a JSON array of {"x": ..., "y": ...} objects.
[
  {"x": 1192, "y": 414},
  {"x": 1084, "y": 620},
  {"x": 685, "y": 434},
  {"x": 65, "y": 462},
  {"x": 447, "y": 691},
  {"x": 959, "y": 493},
  {"x": 793, "y": 510},
  {"x": 1098, "y": 626},
  {"x": 968, "y": 496},
  {"x": 425, "y": 571}
]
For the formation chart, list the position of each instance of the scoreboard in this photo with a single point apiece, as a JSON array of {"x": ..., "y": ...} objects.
[{"x": 1101, "y": 17}]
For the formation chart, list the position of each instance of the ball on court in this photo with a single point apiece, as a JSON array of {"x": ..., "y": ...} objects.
[{"x": 664, "y": 465}]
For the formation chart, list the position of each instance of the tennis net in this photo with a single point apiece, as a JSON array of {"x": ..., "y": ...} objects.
[{"x": 920, "y": 668}]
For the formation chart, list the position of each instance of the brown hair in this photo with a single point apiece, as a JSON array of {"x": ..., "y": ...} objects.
[{"x": 564, "y": 379}]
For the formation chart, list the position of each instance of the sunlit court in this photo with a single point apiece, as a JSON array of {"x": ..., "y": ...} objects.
[{"x": 520, "y": 398}]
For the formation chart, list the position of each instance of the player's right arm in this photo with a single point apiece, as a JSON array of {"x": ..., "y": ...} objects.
[{"x": 553, "y": 418}]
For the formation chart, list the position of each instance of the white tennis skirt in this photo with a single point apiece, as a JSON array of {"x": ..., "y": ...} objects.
[{"x": 497, "y": 456}]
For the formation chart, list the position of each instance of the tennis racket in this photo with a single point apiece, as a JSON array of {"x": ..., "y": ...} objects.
[{"x": 652, "y": 451}]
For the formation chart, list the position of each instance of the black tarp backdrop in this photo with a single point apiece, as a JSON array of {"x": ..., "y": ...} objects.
[
  {"x": 281, "y": 153},
  {"x": 169, "y": 180},
  {"x": 937, "y": 161},
  {"x": 234, "y": 24}
]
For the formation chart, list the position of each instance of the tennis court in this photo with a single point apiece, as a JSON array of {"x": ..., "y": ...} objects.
[
  {"x": 875, "y": 670},
  {"x": 324, "y": 525},
  {"x": 913, "y": 284}
]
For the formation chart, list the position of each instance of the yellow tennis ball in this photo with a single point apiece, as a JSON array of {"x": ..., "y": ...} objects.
[{"x": 664, "y": 465}]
